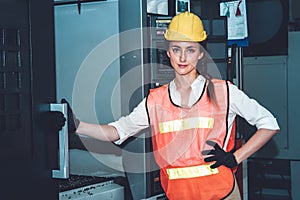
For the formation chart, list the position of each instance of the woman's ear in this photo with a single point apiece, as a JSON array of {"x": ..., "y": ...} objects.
[
  {"x": 201, "y": 55},
  {"x": 168, "y": 53}
]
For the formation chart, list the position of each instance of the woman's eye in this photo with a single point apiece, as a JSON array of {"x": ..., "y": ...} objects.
[
  {"x": 190, "y": 51},
  {"x": 176, "y": 50}
]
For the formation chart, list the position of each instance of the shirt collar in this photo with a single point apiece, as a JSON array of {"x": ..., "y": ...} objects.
[{"x": 197, "y": 87}]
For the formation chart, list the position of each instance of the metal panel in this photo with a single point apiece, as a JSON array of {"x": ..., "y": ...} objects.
[
  {"x": 265, "y": 81},
  {"x": 132, "y": 91},
  {"x": 273, "y": 81},
  {"x": 295, "y": 179},
  {"x": 87, "y": 59},
  {"x": 88, "y": 71},
  {"x": 134, "y": 80},
  {"x": 293, "y": 93}
]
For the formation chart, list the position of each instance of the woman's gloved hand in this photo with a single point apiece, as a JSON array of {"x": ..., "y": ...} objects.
[
  {"x": 73, "y": 122},
  {"x": 51, "y": 121},
  {"x": 56, "y": 119},
  {"x": 220, "y": 156}
]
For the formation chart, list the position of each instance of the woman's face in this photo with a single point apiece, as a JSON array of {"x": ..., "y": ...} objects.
[{"x": 184, "y": 57}]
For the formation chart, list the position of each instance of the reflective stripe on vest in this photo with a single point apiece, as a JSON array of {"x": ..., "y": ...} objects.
[
  {"x": 191, "y": 172},
  {"x": 185, "y": 124}
]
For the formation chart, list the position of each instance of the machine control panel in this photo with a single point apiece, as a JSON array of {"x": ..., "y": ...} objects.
[{"x": 105, "y": 190}]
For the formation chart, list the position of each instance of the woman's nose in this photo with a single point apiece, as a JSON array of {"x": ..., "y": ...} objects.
[{"x": 182, "y": 56}]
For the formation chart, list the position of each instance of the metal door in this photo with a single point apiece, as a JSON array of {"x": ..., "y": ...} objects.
[{"x": 27, "y": 87}]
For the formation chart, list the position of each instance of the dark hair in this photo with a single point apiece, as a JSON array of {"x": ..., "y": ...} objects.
[{"x": 202, "y": 69}]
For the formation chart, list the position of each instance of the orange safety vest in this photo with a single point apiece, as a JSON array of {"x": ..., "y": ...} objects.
[{"x": 179, "y": 136}]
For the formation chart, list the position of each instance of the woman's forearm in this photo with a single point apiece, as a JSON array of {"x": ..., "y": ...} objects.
[
  {"x": 98, "y": 131},
  {"x": 258, "y": 140}
]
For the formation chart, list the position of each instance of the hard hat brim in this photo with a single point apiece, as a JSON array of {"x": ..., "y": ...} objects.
[{"x": 175, "y": 36}]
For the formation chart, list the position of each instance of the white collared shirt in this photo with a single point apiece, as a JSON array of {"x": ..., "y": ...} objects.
[{"x": 239, "y": 104}]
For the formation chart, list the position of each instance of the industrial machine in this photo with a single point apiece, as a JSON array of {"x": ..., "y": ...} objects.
[{"x": 120, "y": 58}]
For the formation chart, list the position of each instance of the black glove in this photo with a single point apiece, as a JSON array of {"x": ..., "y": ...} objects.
[
  {"x": 51, "y": 121},
  {"x": 57, "y": 119},
  {"x": 73, "y": 122},
  {"x": 220, "y": 156}
]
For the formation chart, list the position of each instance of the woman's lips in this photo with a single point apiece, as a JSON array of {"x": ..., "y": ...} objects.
[{"x": 182, "y": 66}]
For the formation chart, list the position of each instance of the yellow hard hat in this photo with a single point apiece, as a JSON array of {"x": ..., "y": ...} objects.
[{"x": 186, "y": 27}]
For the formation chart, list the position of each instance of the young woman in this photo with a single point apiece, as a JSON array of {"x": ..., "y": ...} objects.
[{"x": 191, "y": 119}]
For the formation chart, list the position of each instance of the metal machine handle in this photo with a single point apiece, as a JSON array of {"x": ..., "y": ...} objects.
[{"x": 63, "y": 171}]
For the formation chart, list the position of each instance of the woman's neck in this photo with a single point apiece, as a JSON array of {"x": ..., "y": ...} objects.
[
  {"x": 185, "y": 82},
  {"x": 183, "y": 86}
]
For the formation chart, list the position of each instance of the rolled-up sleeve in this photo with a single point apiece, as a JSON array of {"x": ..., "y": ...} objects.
[
  {"x": 249, "y": 109},
  {"x": 133, "y": 123}
]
